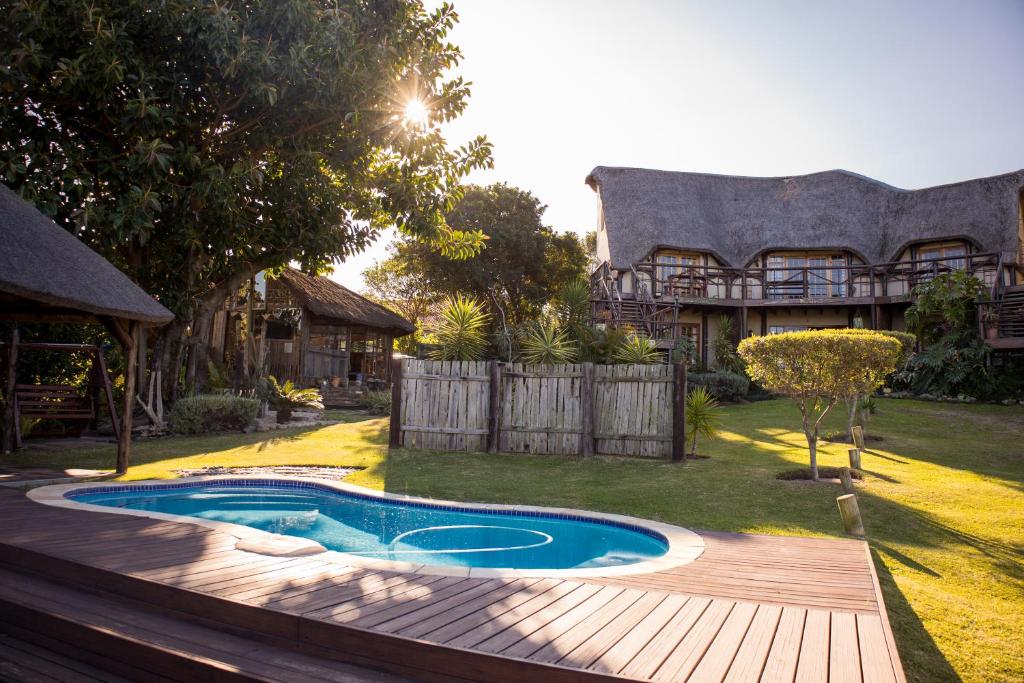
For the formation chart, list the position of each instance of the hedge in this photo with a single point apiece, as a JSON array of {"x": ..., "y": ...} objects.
[{"x": 212, "y": 412}]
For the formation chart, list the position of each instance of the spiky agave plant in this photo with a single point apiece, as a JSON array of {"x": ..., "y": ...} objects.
[
  {"x": 286, "y": 397},
  {"x": 546, "y": 344},
  {"x": 462, "y": 333},
  {"x": 702, "y": 416},
  {"x": 637, "y": 350}
]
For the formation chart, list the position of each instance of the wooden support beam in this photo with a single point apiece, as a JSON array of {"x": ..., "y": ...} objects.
[
  {"x": 494, "y": 407},
  {"x": 108, "y": 391},
  {"x": 395, "y": 428},
  {"x": 679, "y": 413},
  {"x": 124, "y": 441},
  {"x": 587, "y": 410},
  {"x": 11, "y": 378}
]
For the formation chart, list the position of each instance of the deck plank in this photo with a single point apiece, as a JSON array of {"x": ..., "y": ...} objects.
[{"x": 812, "y": 666}]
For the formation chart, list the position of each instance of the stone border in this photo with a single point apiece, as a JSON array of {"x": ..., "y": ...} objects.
[{"x": 684, "y": 546}]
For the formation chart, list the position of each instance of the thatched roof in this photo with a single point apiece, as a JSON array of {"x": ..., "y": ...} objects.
[
  {"x": 737, "y": 217},
  {"x": 327, "y": 299},
  {"x": 44, "y": 263}
]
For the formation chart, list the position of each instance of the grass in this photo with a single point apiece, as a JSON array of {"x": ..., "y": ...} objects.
[{"x": 942, "y": 497}]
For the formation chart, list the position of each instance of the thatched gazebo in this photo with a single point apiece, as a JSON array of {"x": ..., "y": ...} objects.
[{"x": 48, "y": 276}]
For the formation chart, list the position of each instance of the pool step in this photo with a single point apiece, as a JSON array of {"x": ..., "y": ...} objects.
[{"x": 128, "y": 641}]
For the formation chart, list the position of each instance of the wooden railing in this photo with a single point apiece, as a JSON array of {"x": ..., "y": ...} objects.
[{"x": 804, "y": 282}]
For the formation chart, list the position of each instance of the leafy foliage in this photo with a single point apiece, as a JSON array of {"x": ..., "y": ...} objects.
[
  {"x": 684, "y": 351},
  {"x": 395, "y": 285},
  {"x": 723, "y": 385},
  {"x": 954, "y": 364},
  {"x": 636, "y": 350},
  {"x": 288, "y": 397},
  {"x": 194, "y": 143},
  {"x": 945, "y": 305},
  {"x": 702, "y": 416},
  {"x": 818, "y": 368},
  {"x": 462, "y": 332},
  {"x": 724, "y": 347},
  {"x": 212, "y": 412},
  {"x": 602, "y": 344},
  {"x": 522, "y": 261},
  {"x": 376, "y": 402},
  {"x": 546, "y": 344}
]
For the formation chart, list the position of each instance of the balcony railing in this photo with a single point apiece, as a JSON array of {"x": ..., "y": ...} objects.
[{"x": 816, "y": 282}]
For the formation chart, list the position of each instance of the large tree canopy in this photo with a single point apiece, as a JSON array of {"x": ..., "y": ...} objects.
[
  {"x": 521, "y": 264},
  {"x": 195, "y": 142}
]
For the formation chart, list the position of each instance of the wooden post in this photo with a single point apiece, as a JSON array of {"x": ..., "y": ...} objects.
[
  {"x": 679, "y": 413},
  {"x": 854, "y": 454},
  {"x": 124, "y": 441},
  {"x": 587, "y": 410},
  {"x": 11, "y": 380},
  {"x": 494, "y": 407},
  {"x": 846, "y": 479},
  {"x": 108, "y": 391},
  {"x": 858, "y": 437},
  {"x": 395, "y": 432},
  {"x": 850, "y": 512}
]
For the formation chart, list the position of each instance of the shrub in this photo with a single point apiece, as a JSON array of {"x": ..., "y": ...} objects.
[
  {"x": 723, "y": 385},
  {"x": 702, "y": 417},
  {"x": 462, "y": 332},
  {"x": 724, "y": 348},
  {"x": 212, "y": 412},
  {"x": 825, "y": 471},
  {"x": 376, "y": 402},
  {"x": 636, "y": 350},
  {"x": 546, "y": 344}
]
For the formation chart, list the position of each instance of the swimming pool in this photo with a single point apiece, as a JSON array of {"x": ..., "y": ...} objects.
[{"x": 409, "y": 531}]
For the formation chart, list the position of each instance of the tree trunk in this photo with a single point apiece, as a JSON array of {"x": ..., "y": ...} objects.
[
  {"x": 812, "y": 445},
  {"x": 851, "y": 416}
]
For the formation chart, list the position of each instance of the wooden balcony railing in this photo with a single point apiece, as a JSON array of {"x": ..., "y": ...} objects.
[{"x": 659, "y": 282}]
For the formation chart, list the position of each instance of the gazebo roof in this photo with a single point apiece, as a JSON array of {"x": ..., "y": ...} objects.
[{"x": 44, "y": 263}]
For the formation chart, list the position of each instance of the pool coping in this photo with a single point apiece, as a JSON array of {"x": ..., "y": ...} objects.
[{"x": 684, "y": 546}]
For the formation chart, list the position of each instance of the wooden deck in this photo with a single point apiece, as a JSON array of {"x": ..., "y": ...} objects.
[{"x": 752, "y": 608}]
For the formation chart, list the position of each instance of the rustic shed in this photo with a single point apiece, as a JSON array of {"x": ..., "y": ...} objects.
[
  {"x": 316, "y": 331},
  {"x": 48, "y": 275}
]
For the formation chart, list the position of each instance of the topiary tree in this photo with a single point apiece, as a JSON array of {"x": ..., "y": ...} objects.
[
  {"x": 819, "y": 368},
  {"x": 857, "y": 403}
]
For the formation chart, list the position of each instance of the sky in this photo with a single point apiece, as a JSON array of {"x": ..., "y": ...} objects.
[{"x": 912, "y": 93}]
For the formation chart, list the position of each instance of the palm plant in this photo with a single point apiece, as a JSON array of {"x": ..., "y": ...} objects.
[
  {"x": 571, "y": 305},
  {"x": 702, "y": 416},
  {"x": 286, "y": 397},
  {"x": 636, "y": 350},
  {"x": 462, "y": 334},
  {"x": 546, "y": 344}
]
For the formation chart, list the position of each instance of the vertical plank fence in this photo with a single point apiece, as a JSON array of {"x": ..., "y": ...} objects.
[{"x": 578, "y": 409}]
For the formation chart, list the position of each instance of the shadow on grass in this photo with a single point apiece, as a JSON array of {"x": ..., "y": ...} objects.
[{"x": 922, "y": 659}]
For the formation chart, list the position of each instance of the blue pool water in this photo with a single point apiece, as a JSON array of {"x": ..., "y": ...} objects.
[{"x": 421, "y": 533}]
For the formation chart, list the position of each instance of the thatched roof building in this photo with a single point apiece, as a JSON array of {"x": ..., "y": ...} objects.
[
  {"x": 736, "y": 217},
  {"x": 325, "y": 298},
  {"x": 44, "y": 269}
]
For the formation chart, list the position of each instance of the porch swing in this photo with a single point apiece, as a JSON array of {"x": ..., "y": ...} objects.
[{"x": 63, "y": 402}]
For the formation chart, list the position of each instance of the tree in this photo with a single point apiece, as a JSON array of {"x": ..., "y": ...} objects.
[
  {"x": 857, "y": 403},
  {"x": 393, "y": 284},
  {"x": 522, "y": 261},
  {"x": 818, "y": 368},
  {"x": 944, "y": 305},
  {"x": 194, "y": 144}
]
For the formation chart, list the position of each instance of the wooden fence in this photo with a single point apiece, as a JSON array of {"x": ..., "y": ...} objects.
[{"x": 554, "y": 409}]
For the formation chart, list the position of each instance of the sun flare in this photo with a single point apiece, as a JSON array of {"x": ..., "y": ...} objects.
[{"x": 416, "y": 113}]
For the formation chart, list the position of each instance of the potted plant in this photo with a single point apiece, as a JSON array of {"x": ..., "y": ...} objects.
[{"x": 285, "y": 398}]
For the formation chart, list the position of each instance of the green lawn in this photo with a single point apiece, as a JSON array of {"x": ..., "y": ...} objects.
[{"x": 943, "y": 497}]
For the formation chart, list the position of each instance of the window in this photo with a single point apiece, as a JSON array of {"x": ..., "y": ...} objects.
[
  {"x": 800, "y": 274},
  {"x": 945, "y": 254},
  {"x": 278, "y": 330},
  {"x": 669, "y": 263},
  {"x": 779, "y": 329}
]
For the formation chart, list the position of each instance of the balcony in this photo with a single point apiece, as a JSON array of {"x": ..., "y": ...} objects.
[{"x": 817, "y": 284}]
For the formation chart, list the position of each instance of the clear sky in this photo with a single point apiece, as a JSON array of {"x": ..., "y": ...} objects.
[{"x": 912, "y": 93}]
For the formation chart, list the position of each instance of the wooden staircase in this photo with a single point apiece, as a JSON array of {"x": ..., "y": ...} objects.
[{"x": 1009, "y": 311}]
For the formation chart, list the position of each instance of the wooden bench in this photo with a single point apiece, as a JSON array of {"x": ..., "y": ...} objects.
[{"x": 51, "y": 402}]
